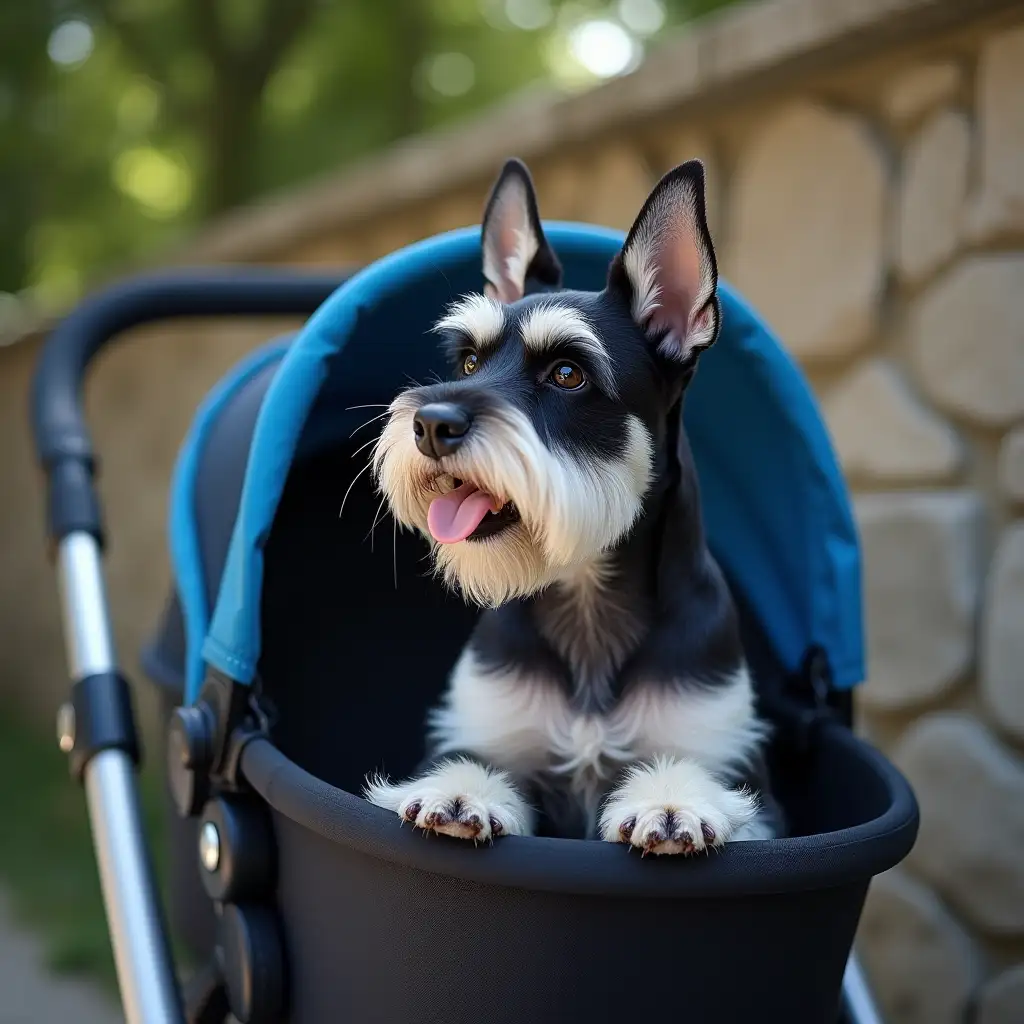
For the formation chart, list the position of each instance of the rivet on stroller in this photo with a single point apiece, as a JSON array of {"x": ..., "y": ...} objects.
[{"x": 296, "y": 654}]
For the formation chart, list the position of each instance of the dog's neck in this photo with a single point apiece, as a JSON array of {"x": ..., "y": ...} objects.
[{"x": 599, "y": 614}]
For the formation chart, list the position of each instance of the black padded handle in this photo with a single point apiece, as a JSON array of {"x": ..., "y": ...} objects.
[{"x": 63, "y": 445}]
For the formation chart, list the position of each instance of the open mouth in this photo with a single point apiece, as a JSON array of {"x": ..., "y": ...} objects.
[{"x": 464, "y": 511}]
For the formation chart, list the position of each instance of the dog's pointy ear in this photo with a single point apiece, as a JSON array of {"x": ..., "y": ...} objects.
[
  {"x": 667, "y": 269},
  {"x": 515, "y": 251}
]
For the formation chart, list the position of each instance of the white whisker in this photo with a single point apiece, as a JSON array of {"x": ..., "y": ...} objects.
[
  {"x": 376, "y": 519},
  {"x": 372, "y": 419},
  {"x": 350, "y": 486},
  {"x": 372, "y": 440}
]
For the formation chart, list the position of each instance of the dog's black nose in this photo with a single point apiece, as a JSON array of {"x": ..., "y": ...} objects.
[{"x": 440, "y": 428}]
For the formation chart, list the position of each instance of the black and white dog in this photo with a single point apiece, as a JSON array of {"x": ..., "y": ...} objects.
[{"x": 604, "y": 691}]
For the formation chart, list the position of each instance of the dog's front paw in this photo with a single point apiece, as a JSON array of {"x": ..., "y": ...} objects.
[
  {"x": 457, "y": 798},
  {"x": 675, "y": 807}
]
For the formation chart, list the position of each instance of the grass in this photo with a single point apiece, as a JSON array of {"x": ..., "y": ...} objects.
[{"x": 46, "y": 854}]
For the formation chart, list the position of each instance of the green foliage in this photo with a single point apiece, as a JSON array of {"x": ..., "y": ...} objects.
[
  {"x": 46, "y": 857},
  {"x": 125, "y": 123}
]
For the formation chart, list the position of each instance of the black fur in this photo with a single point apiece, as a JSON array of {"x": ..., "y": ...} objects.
[{"x": 665, "y": 581}]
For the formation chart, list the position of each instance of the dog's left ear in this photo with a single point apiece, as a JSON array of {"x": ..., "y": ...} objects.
[
  {"x": 667, "y": 269},
  {"x": 515, "y": 251}
]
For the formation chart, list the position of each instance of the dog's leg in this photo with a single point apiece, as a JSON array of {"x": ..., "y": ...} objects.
[
  {"x": 675, "y": 806},
  {"x": 458, "y": 796}
]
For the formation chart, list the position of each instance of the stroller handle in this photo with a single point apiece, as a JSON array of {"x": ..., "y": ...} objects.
[
  {"x": 96, "y": 726},
  {"x": 62, "y": 442}
]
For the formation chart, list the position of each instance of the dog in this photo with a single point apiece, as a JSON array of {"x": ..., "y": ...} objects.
[{"x": 604, "y": 691}]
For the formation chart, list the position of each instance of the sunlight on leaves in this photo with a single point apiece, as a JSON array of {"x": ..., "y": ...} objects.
[
  {"x": 290, "y": 91},
  {"x": 644, "y": 17},
  {"x": 70, "y": 43},
  {"x": 58, "y": 284},
  {"x": 138, "y": 107},
  {"x": 159, "y": 181},
  {"x": 126, "y": 124},
  {"x": 528, "y": 15},
  {"x": 450, "y": 74},
  {"x": 604, "y": 48}
]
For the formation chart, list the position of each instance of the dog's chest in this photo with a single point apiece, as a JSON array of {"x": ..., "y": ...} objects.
[
  {"x": 531, "y": 725},
  {"x": 592, "y": 629}
]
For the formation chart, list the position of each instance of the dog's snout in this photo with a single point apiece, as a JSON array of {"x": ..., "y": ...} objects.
[{"x": 440, "y": 428}]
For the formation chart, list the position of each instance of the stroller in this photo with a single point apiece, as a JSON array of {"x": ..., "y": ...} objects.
[{"x": 296, "y": 654}]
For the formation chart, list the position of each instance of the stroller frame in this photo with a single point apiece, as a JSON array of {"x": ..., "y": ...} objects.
[{"x": 96, "y": 726}]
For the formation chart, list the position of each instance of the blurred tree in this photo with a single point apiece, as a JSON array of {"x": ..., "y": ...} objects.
[{"x": 123, "y": 123}]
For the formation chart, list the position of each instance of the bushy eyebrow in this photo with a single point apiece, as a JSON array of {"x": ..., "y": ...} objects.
[
  {"x": 552, "y": 326},
  {"x": 477, "y": 317}
]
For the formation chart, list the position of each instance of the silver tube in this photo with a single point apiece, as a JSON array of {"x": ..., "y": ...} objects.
[
  {"x": 145, "y": 973},
  {"x": 90, "y": 648},
  {"x": 860, "y": 1005}
]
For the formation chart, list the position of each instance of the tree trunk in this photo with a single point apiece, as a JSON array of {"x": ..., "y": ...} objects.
[{"x": 228, "y": 131}]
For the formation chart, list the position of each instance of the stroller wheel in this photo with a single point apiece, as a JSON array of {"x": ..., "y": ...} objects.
[
  {"x": 205, "y": 997},
  {"x": 251, "y": 957}
]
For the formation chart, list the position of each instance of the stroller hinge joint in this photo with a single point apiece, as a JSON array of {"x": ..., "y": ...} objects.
[{"x": 97, "y": 717}]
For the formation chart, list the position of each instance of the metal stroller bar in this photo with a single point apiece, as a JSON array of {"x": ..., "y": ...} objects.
[
  {"x": 96, "y": 726},
  {"x": 858, "y": 1002},
  {"x": 141, "y": 953}
]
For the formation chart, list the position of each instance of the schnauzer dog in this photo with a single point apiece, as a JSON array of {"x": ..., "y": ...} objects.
[{"x": 604, "y": 691}]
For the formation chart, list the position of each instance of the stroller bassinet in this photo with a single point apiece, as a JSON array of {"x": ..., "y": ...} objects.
[{"x": 306, "y": 654}]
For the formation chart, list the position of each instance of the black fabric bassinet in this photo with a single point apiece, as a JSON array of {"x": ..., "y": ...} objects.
[{"x": 355, "y": 919}]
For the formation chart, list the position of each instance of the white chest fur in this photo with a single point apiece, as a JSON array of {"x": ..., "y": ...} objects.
[{"x": 529, "y": 726}]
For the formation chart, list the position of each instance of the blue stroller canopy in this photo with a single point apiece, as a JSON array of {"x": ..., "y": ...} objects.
[{"x": 775, "y": 505}]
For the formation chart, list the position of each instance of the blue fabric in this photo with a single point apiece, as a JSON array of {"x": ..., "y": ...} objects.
[
  {"x": 183, "y": 540},
  {"x": 777, "y": 512}
]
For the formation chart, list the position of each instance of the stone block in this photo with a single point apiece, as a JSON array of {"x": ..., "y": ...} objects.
[
  {"x": 932, "y": 195},
  {"x": 808, "y": 230},
  {"x": 920, "y": 962},
  {"x": 967, "y": 340},
  {"x": 1002, "y": 646},
  {"x": 971, "y": 793},
  {"x": 560, "y": 185},
  {"x": 998, "y": 206},
  {"x": 1011, "y": 465},
  {"x": 920, "y": 90},
  {"x": 615, "y": 186},
  {"x": 884, "y": 434},
  {"x": 922, "y": 568},
  {"x": 1001, "y": 1000}
]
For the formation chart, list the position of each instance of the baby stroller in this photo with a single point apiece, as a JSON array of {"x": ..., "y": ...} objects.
[{"x": 297, "y": 654}]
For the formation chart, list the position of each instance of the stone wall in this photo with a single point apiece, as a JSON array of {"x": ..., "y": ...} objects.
[{"x": 866, "y": 174}]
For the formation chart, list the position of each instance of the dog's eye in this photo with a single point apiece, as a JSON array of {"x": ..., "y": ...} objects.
[
  {"x": 470, "y": 363},
  {"x": 567, "y": 376}
]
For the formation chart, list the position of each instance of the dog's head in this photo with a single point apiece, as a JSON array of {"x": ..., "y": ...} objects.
[{"x": 537, "y": 455}]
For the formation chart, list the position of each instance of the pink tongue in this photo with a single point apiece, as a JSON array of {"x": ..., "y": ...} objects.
[{"x": 455, "y": 515}]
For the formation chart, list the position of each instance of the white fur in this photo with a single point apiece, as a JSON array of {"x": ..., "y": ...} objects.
[
  {"x": 479, "y": 318},
  {"x": 546, "y": 325},
  {"x": 587, "y": 625},
  {"x": 667, "y": 256},
  {"x": 675, "y": 806},
  {"x": 529, "y": 725},
  {"x": 482, "y": 794},
  {"x": 641, "y": 269},
  {"x": 509, "y": 242},
  {"x": 571, "y": 510}
]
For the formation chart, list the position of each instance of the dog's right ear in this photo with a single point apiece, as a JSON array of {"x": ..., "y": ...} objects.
[
  {"x": 515, "y": 250},
  {"x": 667, "y": 270}
]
